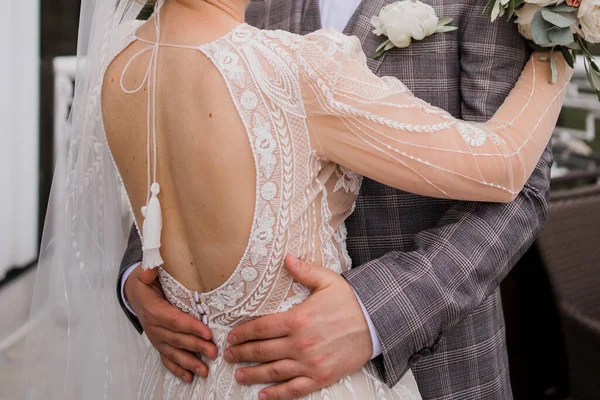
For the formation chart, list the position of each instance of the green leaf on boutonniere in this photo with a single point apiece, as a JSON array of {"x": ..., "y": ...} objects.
[
  {"x": 383, "y": 47},
  {"x": 442, "y": 25}
]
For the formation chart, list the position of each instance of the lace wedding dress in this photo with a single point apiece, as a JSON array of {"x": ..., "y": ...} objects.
[{"x": 313, "y": 113}]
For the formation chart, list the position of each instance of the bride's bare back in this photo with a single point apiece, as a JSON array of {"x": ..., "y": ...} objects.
[{"x": 205, "y": 165}]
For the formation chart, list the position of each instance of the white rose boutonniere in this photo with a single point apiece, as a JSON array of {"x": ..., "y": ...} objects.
[{"x": 405, "y": 20}]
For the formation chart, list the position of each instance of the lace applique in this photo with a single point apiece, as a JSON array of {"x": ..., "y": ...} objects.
[
  {"x": 473, "y": 135},
  {"x": 262, "y": 236},
  {"x": 350, "y": 181},
  {"x": 496, "y": 139},
  {"x": 265, "y": 145},
  {"x": 228, "y": 62},
  {"x": 227, "y": 297},
  {"x": 301, "y": 293}
]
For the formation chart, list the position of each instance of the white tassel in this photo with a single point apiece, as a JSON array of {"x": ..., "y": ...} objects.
[{"x": 152, "y": 230}]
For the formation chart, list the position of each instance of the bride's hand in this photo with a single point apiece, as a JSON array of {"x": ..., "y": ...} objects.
[
  {"x": 313, "y": 345},
  {"x": 175, "y": 334}
]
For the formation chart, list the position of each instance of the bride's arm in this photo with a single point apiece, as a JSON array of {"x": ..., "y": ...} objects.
[{"x": 377, "y": 128}]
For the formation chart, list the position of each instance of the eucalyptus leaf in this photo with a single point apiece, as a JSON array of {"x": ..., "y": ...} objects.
[
  {"x": 558, "y": 19},
  {"x": 564, "y": 8},
  {"x": 382, "y": 46},
  {"x": 444, "y": 29},
  {"x": 445, "y": 20},
  {"x": 562, "y": 37},
  {"x": 539, "y": 29},
  {"x": 553, "y": 69}
]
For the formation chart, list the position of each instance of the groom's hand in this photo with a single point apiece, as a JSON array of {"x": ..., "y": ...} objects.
[
  {"x": 175, "y": 334},
  {"x": 309, "y": 347}
]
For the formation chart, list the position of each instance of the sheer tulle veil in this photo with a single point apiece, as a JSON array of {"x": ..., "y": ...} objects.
[{"x": 80, "y": 344}]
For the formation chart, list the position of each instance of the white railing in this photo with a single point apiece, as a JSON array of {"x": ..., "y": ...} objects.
[
  {"x": 65, "y": 69},
  {"x": 579, "y": 96}
]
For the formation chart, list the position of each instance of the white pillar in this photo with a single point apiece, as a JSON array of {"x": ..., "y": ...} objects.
[{"x": 19, "y": 132}]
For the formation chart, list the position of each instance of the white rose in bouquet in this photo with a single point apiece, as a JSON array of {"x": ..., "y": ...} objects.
[
  {"x": 586, "y": 6},
  {"x": 405, "y": 20},
  {"x": 590, "y": 24}
]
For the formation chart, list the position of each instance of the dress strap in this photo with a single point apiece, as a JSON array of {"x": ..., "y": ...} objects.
[{"x": 151, "y": 211}]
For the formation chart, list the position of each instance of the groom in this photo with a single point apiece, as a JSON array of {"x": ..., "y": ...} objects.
[{"x": 424, "y": 290}]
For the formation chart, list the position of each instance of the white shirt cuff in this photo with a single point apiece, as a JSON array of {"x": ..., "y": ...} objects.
[
  {"x": 374, "y": 337},
  {"x": 124, "y": 277}
]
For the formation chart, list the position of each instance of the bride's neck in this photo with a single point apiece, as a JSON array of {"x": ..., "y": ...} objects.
[{"x": 233, "y": 8}]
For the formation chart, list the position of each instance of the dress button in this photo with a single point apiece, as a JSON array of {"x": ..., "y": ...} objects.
[
  {"x": 205, "y": 319},
  {"x": 425, "y": 353},
  {"x": 414, "y": 360}
]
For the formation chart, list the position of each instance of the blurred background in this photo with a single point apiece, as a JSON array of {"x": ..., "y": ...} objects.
[{"x": 551, "y": 299}]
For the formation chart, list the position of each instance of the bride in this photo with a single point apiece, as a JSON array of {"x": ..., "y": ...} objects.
[{"x": 233, "y": 147}]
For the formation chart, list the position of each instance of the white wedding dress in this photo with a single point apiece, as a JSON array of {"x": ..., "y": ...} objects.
[{"x": 313, "y": 113}]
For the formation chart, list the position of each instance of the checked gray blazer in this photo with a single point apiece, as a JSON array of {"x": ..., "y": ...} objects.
[{"x": 428, "y": 270}]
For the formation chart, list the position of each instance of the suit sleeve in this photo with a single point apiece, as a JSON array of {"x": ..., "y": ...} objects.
[
  {"x": 133, "y": 254},
  {"x": 414, "y": 297}
]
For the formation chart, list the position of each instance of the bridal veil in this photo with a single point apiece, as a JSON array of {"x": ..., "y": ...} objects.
[{"x": 80, "y": 344}]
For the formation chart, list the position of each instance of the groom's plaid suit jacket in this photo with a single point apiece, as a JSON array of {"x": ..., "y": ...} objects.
[{"x": 428, "y": 270}]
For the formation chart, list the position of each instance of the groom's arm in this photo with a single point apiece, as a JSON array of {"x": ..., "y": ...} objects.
[
  {"x": 414, "y": 297},
  {"x": 176, "y": 335},
  {"x": 132, "y": 256}
]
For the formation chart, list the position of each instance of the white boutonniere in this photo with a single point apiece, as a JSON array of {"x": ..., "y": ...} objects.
[{"x": 405, "y": 20}]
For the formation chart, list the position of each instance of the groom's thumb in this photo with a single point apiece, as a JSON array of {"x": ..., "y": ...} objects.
[{"x": 314, "y": 277}]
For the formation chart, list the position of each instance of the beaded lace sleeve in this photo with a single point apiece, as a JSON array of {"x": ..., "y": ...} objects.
[{"x": 377, "y": 128}]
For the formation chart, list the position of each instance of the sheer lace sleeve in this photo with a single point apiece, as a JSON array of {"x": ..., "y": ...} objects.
[{"x": 377, "y": 128}]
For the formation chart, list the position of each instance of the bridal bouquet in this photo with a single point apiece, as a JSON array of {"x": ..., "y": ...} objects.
[{"x": 567, "y": 26}]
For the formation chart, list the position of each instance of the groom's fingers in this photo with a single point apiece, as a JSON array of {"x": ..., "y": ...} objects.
[
  {"x": 294, "y": 389},
  {"x": 184, "y": 359},
  {"x": 176, "y": 370},
  {"x": 163, "y": 314},
  {"x": 260, "y": 351},
  {"x": 267, "y": 327},
  {"x": 278, "y": 371},
  {"x": 186, "y": 342}
]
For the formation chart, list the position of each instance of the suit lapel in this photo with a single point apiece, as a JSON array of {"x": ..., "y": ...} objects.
[
  {"x": 310, "y": 17},
  {"x": 360, "y": 26}
]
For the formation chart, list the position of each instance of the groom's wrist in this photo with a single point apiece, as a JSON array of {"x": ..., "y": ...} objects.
[
  {"x": 374, "y": 337},
  {"x": 124, "y": 277}
]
